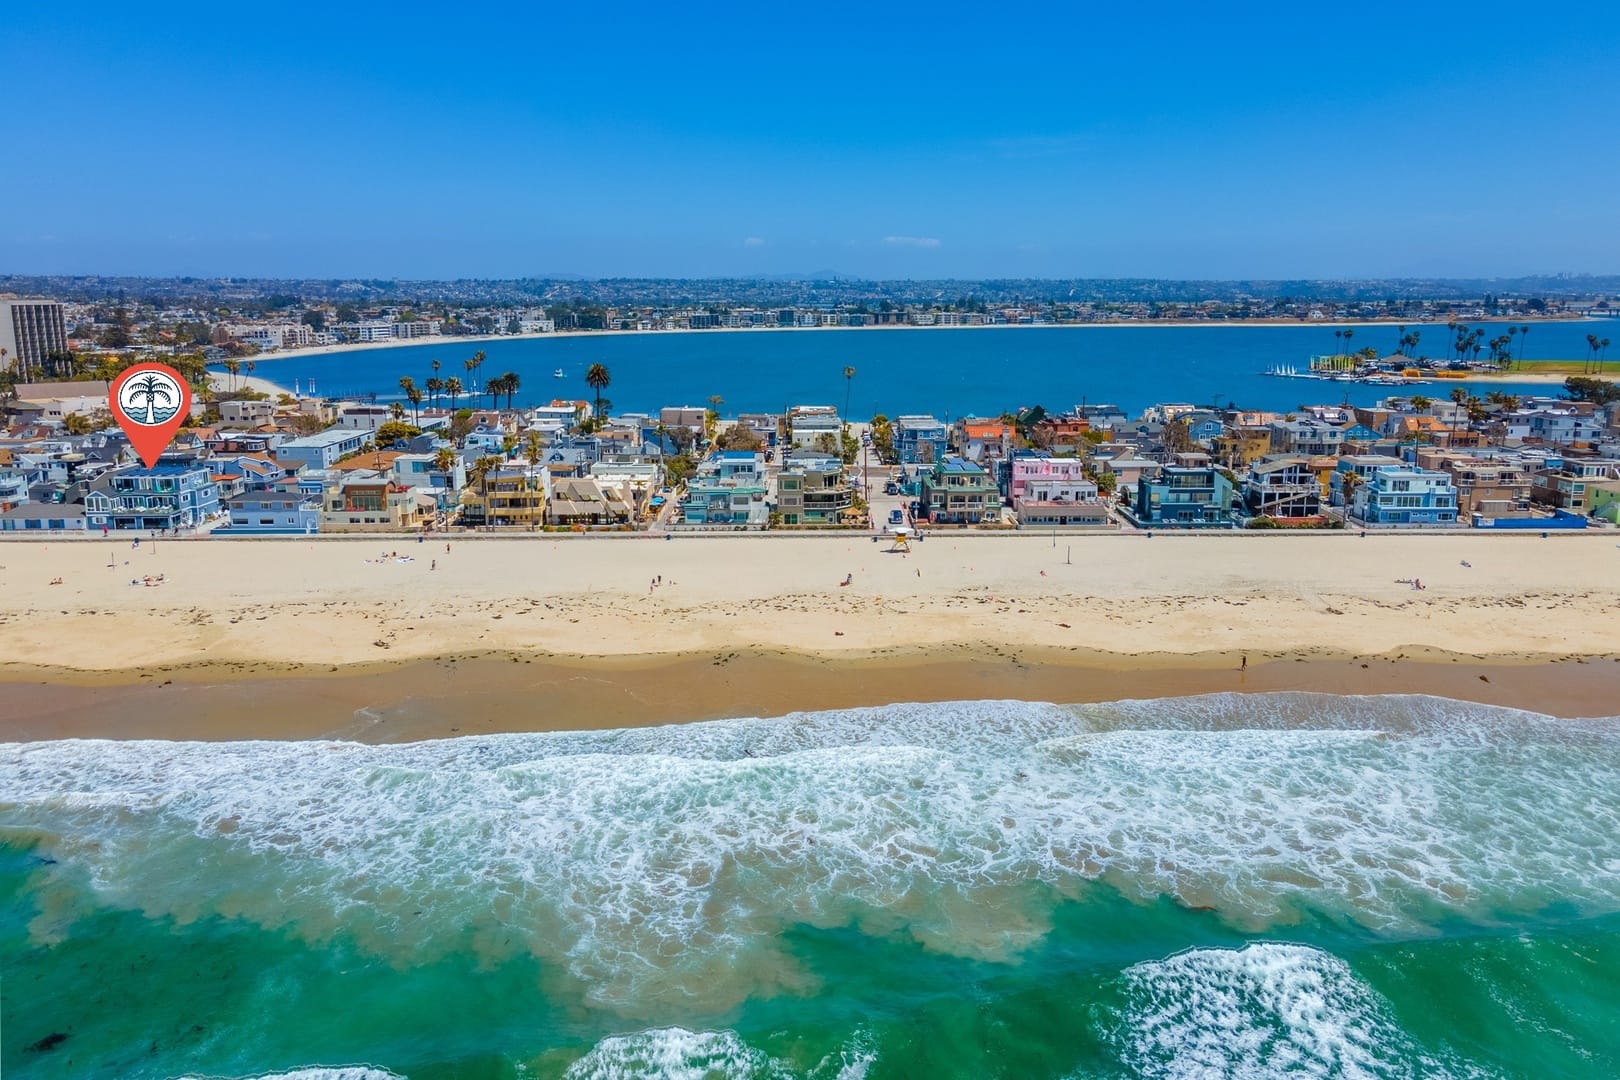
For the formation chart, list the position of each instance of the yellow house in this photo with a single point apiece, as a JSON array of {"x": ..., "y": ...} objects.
[
  {"x": 510, "y": 497},
  {"x": 1241, "y": 447}
]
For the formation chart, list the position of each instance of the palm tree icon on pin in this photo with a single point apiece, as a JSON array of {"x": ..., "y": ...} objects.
[{"x": 150, "y": 402}]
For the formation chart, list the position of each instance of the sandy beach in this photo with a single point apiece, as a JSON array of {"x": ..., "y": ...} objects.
[{"x": 961, "y": 616}]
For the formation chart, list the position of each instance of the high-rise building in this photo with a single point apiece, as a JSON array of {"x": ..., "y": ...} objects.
[{"x": 30, "y": 332}]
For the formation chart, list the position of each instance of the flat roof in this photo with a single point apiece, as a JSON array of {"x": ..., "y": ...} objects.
[{"x": 326, "y": 438}]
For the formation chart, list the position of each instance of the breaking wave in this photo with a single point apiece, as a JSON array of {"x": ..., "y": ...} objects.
[{"x": 667, "y": 861}]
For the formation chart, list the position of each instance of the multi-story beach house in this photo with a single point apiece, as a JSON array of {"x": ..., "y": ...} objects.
[
  {"x": 957, "y": 491},
  {"x": 918, "y": 439},
  {"x": 1039, "y": 466},
  {"x": 1283, "y": 487},
  {"x": 981, "y": 440},
  {"x": 1060, "y": 498},
  {"x": 176, "y": 493},
  {"x": 1493, "y": 487},
  {"x": 810, "y": 427},
  {"x": 1192, "y": 493},
  {"x": 1404, "y": 495},
  {"x": 1354, "y": 469},
  {"x": 271, "y": 512},
  {"x": 372, "y": 502},
  {"x": 1309, "y": 437},
  {"x": 507, "y": 498},
  {"x": 813, "y": 490},
  {"x": 711, "y": 501}
]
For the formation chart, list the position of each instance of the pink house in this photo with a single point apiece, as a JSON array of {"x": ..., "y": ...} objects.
[{"x": 1048, "y": 473}]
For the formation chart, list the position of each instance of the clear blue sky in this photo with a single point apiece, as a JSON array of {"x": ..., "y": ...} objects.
[{"x": 1208, "y": 140}]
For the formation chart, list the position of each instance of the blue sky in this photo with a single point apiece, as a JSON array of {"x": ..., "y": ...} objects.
[{"x": 875, "y": 140}]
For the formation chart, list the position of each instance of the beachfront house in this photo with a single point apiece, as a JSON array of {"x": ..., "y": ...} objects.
[
  {"x": 1395, "y": 496},
  {"x": 271, "y": 512},
  {"x": 1283, "y": 487},
  {"x": 711, "y": 501},
  {"x": 509, "y": 497},
  {"x": 1189, "y": 494},
  {"x": 43, "y": 517},
  {"x": 1495, "y": 488},
  {"x": 957, "y": 491},
  {"x": 918, "y": 439},
  {"x": 373, "y": 502},
  {"x": 813, "y": 489},
  {"x": 579, "y": 502},
  {"x": 1061, "y": 498},
  {"x": 176, "y": 493},
  {"x": 1039, "y": 466}
]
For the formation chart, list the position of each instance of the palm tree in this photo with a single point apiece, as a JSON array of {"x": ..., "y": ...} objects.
[
  {"x": 397, "y": 411},
  {"x": 1604, "y": 359},
  {"x": 233, "y": 365},
  {"x": 598, "y": 379},
  {"x": 444, "y": 461},
  {"x": 532, "y": 450},
  {"x": 1524, "y": 332},
  {"x": 479, "y": 474},
  {"x": 849, "y": 382},
  {"x": 1459, "y": 397},
  {"x": 494, "y": 388},
  {"x": 510, "y": 384},
  {"x": 434, "y": 385},
  {"x": 151, "y": 388},
  {"x": 406, "y": 385},
  {"x": 1338, "y": 342},
  {"x": 1348, "y": 334},
  {"x": 415, "y": 397},
  {"x": 1591, "y": 351},
  {"x": 452, "y": 386},
  {"x": 434, "y": 364},
  {"x": 1400, "y": 340}
]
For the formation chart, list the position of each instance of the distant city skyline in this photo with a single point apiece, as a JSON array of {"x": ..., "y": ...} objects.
[{"x": 888, "y": 142}]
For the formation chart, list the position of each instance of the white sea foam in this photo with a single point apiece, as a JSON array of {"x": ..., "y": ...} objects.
[
  {"x": 317, "y": 1072},
  {"x": 669, "y": 859},
  {"x": 674, "y": 1054},
  {"x": 678, "y": 1054},
  {"x": 1266, "y": 1010}
]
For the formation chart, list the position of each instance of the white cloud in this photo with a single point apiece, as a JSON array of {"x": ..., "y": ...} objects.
[
  {"x": 912, "y": 241},
  {"x": 754, "y": 241}
]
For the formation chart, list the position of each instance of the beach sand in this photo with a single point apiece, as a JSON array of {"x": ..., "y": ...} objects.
[{"x": 291, "y": 637}]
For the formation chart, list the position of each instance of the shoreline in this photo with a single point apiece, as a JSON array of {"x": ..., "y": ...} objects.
[
  {"x": 510, "y": 693},
  {"x": 284, "y": 628},
  {"x": 478, "y": 339}
]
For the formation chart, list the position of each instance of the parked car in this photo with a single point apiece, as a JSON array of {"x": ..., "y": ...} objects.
[
  {"x": 897, "y": 516},
  {"x": 891, "y": 488}
]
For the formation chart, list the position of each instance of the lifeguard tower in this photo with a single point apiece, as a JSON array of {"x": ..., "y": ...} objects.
[{"x": 902, "y": 539}]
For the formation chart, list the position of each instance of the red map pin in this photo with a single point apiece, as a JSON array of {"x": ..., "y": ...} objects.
[{"x": 150, "y": 402}]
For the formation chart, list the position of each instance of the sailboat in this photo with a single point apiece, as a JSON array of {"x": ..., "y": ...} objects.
[{"x": 558, "y": 374}]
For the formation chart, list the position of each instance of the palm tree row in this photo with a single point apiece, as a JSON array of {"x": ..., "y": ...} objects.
[{"x": 1597, "y": 354}]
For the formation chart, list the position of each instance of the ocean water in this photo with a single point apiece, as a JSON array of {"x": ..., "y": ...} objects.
[
  {"x": 950, "y": 372},
  {"x": 1220, "y": 886}
]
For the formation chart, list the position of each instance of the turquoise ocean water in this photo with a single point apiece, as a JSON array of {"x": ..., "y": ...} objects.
[
  {"x": 950, "y": 372},
  {"x": 1248, "y": 886}
]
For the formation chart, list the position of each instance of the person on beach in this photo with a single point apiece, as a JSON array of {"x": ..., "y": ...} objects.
[{"x": 1244, "y": 666}]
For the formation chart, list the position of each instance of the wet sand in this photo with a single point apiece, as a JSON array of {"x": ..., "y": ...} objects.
[{"x": 506, "y": 693}]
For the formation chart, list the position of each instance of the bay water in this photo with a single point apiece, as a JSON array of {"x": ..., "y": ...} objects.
[{"x": 948, "y": 372}]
